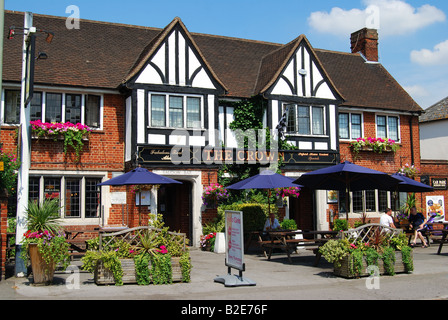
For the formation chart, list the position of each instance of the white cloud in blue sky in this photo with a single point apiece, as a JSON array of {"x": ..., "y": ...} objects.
[
  {"x": 396, "y": 17},
  {"x": 436, "y": 57}
]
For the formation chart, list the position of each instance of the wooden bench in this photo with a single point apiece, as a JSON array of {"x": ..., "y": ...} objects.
[{"x": 78, "y": 247}]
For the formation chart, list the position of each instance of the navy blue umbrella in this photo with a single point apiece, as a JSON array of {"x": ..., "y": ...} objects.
[
  {"x": 265, "y": 180},
  {"x": 138, "y": 176},
  {"x": 347, "y": 177},
  {"x": 410, "y": 185}
]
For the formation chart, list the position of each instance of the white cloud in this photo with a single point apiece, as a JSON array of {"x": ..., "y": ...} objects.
[
  {"x": 416, "y": 91},
  {"x": 391, "y": 17},
  {"x": 425, "y": 57}
]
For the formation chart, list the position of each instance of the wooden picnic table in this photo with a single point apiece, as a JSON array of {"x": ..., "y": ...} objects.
[
  {"x": 442, "y": 241},
  {"x": 286, "y": 240},
  {"x": 78, "y": 246},
  {"x": 431, "y": 232}
]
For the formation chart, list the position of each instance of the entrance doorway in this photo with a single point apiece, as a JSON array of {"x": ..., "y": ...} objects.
[
  {"x": 174, "y": 202},
  {"x": 301, "y": 210}
]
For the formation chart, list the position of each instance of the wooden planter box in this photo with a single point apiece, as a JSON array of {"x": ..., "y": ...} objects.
[
  {"x": 104, "y": 276},
  {"x": 344, "y": 270}
]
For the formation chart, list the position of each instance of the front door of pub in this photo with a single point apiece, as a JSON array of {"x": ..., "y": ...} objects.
[{"x": 174, "y": 202}]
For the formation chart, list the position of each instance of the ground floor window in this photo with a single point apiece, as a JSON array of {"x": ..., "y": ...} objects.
[
  {"x": 371, "y": 201},
  {"x": 79, "y": 196}
]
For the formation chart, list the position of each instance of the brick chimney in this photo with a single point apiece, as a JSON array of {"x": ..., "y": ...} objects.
[{"x": 366, "y": 42}]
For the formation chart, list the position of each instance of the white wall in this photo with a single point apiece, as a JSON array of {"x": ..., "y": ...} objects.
[{"x": 434, "y": 140}]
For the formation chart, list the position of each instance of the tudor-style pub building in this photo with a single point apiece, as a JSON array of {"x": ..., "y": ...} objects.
[{"x": 145, "y": 90}]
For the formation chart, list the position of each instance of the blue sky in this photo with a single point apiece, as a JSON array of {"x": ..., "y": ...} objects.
[{"x": 413, "y": 34}]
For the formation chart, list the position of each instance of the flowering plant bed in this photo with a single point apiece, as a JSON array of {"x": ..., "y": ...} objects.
[
  {"x": 208, "y": 241},
  {"x": 8, "y": 175},
  {"x": 45, "y": 250},
  {"x": 141, "y": 255},
  {"x": 349, "y": 267},
  {"x": 369, "y": 248},
  {"x": 72, "y": 134},
  {"x": 44, "y": 244}
]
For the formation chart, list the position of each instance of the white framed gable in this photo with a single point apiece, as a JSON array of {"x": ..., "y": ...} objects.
[
  {"x": 176, "y": 62},
  {"x": 302, "y": 77}
]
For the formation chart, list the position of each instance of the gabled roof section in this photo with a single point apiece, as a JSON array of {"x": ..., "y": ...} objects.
[
  {"x": 365, "y": 84},
  {"x": 154, "y": 45},
  {"x": 274, "y": 63},
  {"x": 438, "y": 111}
]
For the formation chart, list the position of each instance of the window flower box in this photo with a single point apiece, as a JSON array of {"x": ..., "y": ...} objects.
[
  {"x": 73, "y": 135},
  {"x": 377, "y": 145}
]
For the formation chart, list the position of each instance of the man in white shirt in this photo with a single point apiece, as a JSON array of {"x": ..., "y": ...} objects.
[
  {"x": 386, "y": 219},
  {"x": 271, "y": 223}
]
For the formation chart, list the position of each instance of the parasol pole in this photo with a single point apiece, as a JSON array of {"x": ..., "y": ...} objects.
[
  {"x": 269, "y": 203},
  {"x": 347, "y": 194},
  {"x": 139, "y": 206}
]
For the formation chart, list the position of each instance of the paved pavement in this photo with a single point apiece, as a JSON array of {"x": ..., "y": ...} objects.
[{"x": 275, "y": 280}]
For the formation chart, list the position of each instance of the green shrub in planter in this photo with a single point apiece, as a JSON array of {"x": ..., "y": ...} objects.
[
  {"x": 340, "y": 225},
  {"x": 288, "y": 224}
]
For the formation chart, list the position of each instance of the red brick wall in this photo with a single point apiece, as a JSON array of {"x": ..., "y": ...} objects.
[
  {"x": 103, "y": 151},
  {"x": 209, "y": 177},
  {"x": 388, "y": 162}
]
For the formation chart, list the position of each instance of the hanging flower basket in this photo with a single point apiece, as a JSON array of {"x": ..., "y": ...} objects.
[
  {"x": 288, "y": 192},
  {"x": 409, "y": 171},
  {"x": 213, "y": 194}
]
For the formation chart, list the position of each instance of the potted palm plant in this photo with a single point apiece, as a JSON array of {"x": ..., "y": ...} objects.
[{"x": 44, "y": 244}]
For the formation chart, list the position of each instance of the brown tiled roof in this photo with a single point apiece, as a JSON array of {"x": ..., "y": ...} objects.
[
  {"x": 98, "y": 54},
  {"x": 102, "y": 55},
  {"x": 438, "y": 111},
  {"x": 365, "y": 84}
]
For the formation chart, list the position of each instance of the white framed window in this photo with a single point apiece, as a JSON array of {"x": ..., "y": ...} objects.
[
  {"x": 175, "y": 111},
  {"x": 388, "y": 127},
  {"x": 372, "y": 201},
  {"x": 79, "y": 195},
  {"x": 55, "y": 107},
  {"x": 350, "y": 125},
  {"x": 306, "y": 120}
]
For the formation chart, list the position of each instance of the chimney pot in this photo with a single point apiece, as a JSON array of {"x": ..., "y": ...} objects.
[{"x": 366, "y": 42}]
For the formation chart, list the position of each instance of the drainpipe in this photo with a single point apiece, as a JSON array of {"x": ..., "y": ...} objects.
[{"x": 412, "y": 141}]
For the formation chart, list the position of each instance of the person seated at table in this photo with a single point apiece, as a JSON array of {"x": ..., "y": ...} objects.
[
  {"x": 386, "y": 219},
  {"x": 417, "y": 222},
  {"x": 271, "y": 223}
]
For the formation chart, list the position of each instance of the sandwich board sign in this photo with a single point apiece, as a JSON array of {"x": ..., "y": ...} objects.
[{"x": 234, "y": 251}]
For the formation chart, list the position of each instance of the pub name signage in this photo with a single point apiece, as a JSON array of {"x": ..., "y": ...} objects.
[
  {"x": 209, "y": 156},
  {"x": 439, "y": 183}
]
